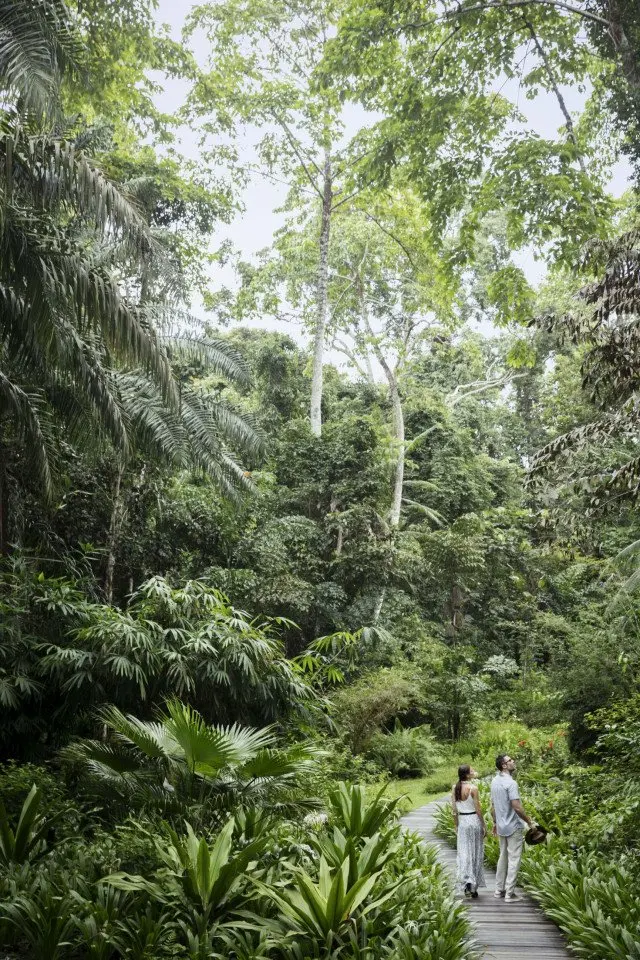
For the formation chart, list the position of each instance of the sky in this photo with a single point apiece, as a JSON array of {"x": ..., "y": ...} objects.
[{"x": 253, "y": 229}]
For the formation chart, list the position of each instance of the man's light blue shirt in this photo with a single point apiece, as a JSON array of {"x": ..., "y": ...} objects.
[{"x": 504, "y": 789}]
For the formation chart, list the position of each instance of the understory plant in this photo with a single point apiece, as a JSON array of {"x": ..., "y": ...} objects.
[
  {"x": 404, "y": 752},
  {"x": 178, "y": 762},
  {"x": 257, "y": 888}
]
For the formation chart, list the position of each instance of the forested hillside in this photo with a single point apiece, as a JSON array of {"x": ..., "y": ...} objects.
[{"x": 286, "y": 537}]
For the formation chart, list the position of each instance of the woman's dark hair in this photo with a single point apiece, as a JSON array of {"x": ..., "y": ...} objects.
[{"x": 463, "y": 774}]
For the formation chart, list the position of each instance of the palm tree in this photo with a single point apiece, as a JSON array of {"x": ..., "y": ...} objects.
[
  {"x": 80, "y": 343},
  {"x": 181, "y": 760}
]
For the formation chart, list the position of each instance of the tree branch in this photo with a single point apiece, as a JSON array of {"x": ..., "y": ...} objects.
[
  {"x": 556, "y": 89},
  {"x": 296, "y": 149},
  {"x": 512, "y": 4},
  {"x": 343, "y": 348},
  {"x": 348, "y": 197},
  {"x": 479, "y": 386},
  {"x": 393, "y": 237}
]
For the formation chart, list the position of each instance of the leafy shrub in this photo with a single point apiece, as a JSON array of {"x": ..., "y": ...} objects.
[
  {"x": 17, "y": 779},
  {"x": 594, "y": 902},
  {"x": 363, "y": 707},
  {"x": 405, "y": 752},
  {"x": 618, "y": 726},
  {"x": 60, "y": 648},
  {"x": 31, "y": 838},
  {"x": 42, "y": 918},
  {"x": 529, "y": 746}
]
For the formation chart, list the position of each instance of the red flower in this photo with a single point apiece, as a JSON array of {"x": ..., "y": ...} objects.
[{"x": 550, "y": 744}]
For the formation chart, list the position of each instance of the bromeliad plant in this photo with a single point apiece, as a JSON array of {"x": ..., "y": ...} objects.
[
  {"x": 30, "y": 841},
  {"x": 363, "y": 859},
  {"x": 327, "y": 911},
  {"x": 200, "y": 882},
  {"x": 356, "y": 817}
]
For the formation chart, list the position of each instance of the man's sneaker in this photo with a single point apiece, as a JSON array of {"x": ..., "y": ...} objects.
[
  {"x": 499, "y": 894},
  {"x": 514, "y": 898}
]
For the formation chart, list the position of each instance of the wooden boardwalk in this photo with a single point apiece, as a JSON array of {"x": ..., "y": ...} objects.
[{"x": 515, "y": 931}]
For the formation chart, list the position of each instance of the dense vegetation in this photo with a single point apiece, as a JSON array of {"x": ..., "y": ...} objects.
[{"x": 254, "y": 585}]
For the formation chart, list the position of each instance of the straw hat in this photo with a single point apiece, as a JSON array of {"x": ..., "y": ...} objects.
[{"x": 535, "y": 834}]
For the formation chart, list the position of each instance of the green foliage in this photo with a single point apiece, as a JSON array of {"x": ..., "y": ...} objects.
[
  {"x": 202, "y": 876},
  {"x": 405, "y": 752},
  {"x": 29, "y": 840},
  {"x": 591, "y": 901},
  {"x": 489, "y": 611},
  {"x": 363, "y": 707},
  {"x": 57, "y": 644},
  {"x": 354, "y": 815},
  {"x": 325, "y": 911},
  {"x": 42, "y": 918},
  {"x": 619, "y": 726},
  {"x": 179, "y": 760}
]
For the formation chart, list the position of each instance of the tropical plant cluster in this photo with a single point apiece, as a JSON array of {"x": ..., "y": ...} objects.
[
  {"x": 253, "y": 883},
  {"x": 282, "y": 531}
]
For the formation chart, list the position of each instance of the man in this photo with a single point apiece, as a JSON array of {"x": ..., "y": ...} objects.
[{"x": 508, "y": 825}]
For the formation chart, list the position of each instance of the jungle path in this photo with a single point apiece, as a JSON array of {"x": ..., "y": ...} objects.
[{"x": 517, "y": 931}]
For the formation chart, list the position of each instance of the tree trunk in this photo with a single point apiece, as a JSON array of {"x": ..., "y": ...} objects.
[
  {"x": 630, "y": 65},
  {"x": 398, "y": 419},
  {"x": 377, "y": 610},
  {"x": 398, "y": 436},
  {"x": 115, "y": 527},
  {"x": 321, "y": 297},
  {"x": 333, "y": 506}
]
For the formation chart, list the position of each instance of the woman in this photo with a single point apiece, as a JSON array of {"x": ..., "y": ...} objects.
[{"x": 470, "y": 830}]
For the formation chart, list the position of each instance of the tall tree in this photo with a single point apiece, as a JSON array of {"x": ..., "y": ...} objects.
[
  {"x": 86, "y": 288},
  {"x": 260, "y": 73}
]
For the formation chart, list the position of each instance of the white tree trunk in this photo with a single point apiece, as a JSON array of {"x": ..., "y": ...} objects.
[
  {"x": 321, "y": 297},
  {"x": 398, "y": 436},
  {"x": 115, "y": 527},
  {"x": 398, "y": 418}
]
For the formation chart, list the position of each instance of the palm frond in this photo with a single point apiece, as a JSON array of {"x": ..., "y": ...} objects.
[
  {"x": 428, "y": 512},
  {"x": 38, "y": 42},
  {"x": 148, "y": 737},
  {"x": 209, "y": 749},
  {"x": 216, "y": 355},
  {"x": 26, "y": 410}
]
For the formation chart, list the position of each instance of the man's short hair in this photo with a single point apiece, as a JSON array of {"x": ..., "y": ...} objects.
[{"x": 500, "y": 759}]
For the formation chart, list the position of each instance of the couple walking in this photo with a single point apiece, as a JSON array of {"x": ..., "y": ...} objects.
[{"x": 508, "y": 818}]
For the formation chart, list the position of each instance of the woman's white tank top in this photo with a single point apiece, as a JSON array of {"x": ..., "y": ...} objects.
[{"x": 466, "y": 806}]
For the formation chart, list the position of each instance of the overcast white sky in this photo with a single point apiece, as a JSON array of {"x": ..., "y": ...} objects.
[{"x": 254, "y": 229}]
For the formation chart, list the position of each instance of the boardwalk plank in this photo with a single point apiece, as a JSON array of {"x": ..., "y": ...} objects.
[{"x": 503, "y": 931}]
